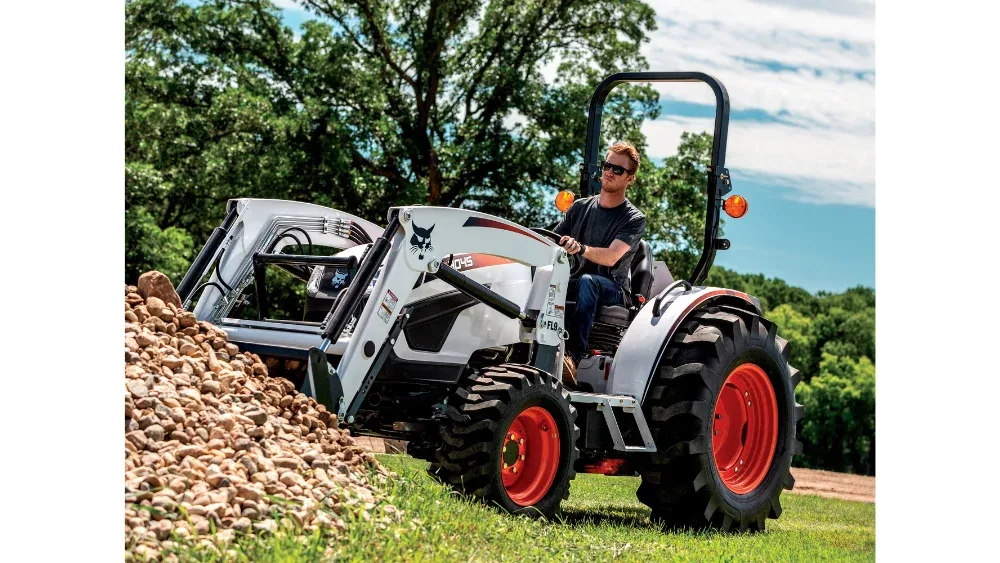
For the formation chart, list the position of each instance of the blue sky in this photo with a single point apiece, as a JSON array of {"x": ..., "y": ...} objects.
[{"x": 801, "y": 81}]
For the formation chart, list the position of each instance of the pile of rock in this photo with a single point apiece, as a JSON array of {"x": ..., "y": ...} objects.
[{"x": 214, "y": 446}]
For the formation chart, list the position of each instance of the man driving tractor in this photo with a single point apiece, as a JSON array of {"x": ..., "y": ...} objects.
[{"x": 605, "y": 230}]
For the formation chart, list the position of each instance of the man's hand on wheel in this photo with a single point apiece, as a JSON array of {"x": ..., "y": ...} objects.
[{"x": 570, "y": 244}]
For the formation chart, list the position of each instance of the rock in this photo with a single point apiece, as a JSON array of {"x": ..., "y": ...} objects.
[
  {"x": 154, "y": 432},
  {"x": 247, "y": 492},
  {"x": 258, "y": 416},
  {"x": 156, "y": 284},
  {"x": 211, "y": 387},
  {"x": 187, "y": 320},
  {"x": 137, "y": 438},
  {"x": 241, "y": 524},
  {"x": 146, "y": 339},
  {"x": 172, "y": 362},
  {"x": 155, "y": 306},
  {"x": 136, "y": 388}
]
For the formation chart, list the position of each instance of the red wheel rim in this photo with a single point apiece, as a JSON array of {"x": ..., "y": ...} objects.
[
  {"x": 745, "y": 428},
  {"x": 529, "y": 456}
]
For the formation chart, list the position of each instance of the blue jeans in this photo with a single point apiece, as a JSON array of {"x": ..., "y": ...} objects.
[{"x": 589, "y": 291}]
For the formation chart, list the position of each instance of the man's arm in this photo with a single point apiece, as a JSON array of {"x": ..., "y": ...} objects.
[
  {"x": 606, "y": 256},
  {"x": 624, "y": 240}
]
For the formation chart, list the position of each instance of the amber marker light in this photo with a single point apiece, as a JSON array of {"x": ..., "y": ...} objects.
[
  {"x": 736, "y": 206},
  {"x": 564, "y": 199}
]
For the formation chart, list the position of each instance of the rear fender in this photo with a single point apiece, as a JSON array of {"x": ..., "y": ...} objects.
[{"x": 647, "y": 336}]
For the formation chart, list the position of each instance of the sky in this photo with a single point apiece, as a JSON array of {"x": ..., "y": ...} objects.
[{"x": 801, "y": 81}]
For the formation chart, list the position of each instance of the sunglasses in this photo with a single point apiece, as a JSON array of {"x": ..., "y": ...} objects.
[{"x": 618, "y": 170}]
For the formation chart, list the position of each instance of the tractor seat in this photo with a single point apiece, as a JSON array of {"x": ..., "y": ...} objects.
[{"x": 642, "y": 280}]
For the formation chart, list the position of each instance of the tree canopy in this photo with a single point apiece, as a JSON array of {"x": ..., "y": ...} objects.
[{"x": 375, "y": 104}]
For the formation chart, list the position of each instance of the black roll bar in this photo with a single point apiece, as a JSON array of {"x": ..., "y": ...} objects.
[{"x": 718, "y": 177}]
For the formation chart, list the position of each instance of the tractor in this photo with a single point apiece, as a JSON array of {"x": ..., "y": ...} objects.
[{"x": 446, "y": 328}]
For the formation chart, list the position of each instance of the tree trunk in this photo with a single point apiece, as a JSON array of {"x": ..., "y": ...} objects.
[{"x": 434, "y": 179}]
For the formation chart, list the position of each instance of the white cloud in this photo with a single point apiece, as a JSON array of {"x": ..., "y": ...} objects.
[
  {"x": 288, "y": 5},
  {"x": 818, "y": 166},
  {"x": 810, "y": 62}
]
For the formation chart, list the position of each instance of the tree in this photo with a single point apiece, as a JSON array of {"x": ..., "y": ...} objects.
[
  {"x": 797, "y": 329},
  {"x": 838, "y": 432}
]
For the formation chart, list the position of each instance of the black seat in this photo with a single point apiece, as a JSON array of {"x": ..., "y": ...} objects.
[{"x": 642, "y": 280}]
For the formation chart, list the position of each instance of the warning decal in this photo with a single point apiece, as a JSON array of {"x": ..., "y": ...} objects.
[
  {"x": 387, "y": 306},
  {"x": 551, "y": 309}
]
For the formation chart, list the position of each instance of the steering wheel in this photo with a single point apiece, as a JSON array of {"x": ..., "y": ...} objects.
[{"x": 576, "y": 261}]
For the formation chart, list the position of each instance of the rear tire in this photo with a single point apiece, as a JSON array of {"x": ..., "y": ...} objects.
[
  {"x": 722, "y": 401},
  {"x": 482, "y": 448}
]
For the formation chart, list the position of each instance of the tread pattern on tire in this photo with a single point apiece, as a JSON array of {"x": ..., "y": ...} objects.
[
  {"x": 677, "y": 483},
  {"x": 475, "y": 410}
]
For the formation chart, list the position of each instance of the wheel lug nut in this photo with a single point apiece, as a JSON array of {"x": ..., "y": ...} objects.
[
  {"x": 736, "y": 470},
  {"x": 522, "y": 441},
  {"x": 748, "y": 403},
  {"x": 513, "y": 469},
  {"x": 746, "y": 393},
  {"x": 522, "y": 457},
  {"x": 505, "y": 466},
  {"x": 741, "y": 462}
]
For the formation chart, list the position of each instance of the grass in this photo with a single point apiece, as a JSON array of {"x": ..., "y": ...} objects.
[{"x": 602, "y": 520}]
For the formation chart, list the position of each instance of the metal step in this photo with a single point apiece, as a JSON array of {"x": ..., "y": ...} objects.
[{"x": 628, "y": 405}]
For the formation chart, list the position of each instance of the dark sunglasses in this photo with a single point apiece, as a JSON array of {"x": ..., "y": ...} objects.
[{"x": 618, "y": 170}]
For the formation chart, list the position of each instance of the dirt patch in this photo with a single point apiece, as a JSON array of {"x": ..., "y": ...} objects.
[{"x": 833, "y": 485}]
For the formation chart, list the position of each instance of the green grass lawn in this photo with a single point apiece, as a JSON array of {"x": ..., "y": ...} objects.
[{"x": 602, "y": 520}]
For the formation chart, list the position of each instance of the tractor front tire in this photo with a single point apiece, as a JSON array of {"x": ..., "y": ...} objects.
[
  {"x": 510, "y": 439},
  {"x": 723, "y": 415}
]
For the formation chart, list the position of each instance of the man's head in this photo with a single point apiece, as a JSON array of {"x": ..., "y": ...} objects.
[{"x": 623, "y": 158}]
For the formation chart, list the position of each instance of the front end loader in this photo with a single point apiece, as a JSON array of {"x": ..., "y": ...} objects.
[{"x": 446, "y": 328}]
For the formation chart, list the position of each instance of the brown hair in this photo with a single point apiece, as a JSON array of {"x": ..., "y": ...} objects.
[{"x": 626, "y": 148}]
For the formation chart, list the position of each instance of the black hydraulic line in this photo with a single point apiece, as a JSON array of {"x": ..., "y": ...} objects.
[
  {"x": 361, "y": 234},
  {"x": 301, "y": 230},
  {"x": 283, "y": 235},
  {"x": 187, "y": 302},
  {"x": 477, "y": 291},
  {"x": 204, "y": 257},
  {"x": 355, "y": 291},
  {"x": 194, "y": 273},
  {"x": 218, "y": 275}
]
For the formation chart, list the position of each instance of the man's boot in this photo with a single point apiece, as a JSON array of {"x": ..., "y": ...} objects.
[{"x": 569, "y": 372}]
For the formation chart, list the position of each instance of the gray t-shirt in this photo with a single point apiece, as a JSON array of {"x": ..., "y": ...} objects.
[{"x": 589, "y": 223}]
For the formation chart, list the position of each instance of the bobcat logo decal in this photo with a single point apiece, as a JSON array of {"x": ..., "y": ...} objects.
[
  {"x": 420, "y": 242},
  {"x": 338, "y": 279}
]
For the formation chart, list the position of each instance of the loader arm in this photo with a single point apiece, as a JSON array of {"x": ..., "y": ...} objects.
[{"x": 418, "y": 240}]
